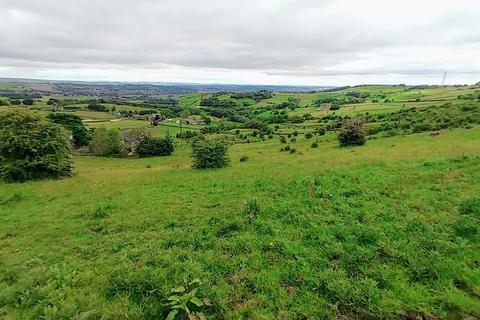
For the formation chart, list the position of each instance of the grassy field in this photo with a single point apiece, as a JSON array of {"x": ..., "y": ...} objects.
[
  {"x": 389, "y": 230},
  {"x": 381, "y": 231}
]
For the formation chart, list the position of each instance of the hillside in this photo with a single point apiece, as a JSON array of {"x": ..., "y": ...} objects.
[{"x": 388, "y": 230}]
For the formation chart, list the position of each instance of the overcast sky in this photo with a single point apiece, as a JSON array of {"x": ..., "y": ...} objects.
[{"x": 317, "y": 42}]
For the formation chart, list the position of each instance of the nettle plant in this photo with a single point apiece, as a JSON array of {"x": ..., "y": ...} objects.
[{"x": 184, "y": 302}]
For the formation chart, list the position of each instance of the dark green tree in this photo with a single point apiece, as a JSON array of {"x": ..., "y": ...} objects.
[
  {"x": 31, "y": 147},
  {"x": 80, "y": 134},
  {"x": 152, "y": 146}
]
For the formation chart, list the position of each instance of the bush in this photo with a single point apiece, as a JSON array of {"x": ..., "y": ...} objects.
[
  {"x": 28, "y": 102},
  {"x": 31, "y": 147},
  {"x": 210, "y": 154},
  {"x": 107, "y": 142},
  {"x": 187, "y": 135},
  {"x": 308, "y": 135},
  {"x": 80, "y": 134},
  {"x": 315, "y": 144},
  {"x": 97, "y": 107},
  {"x": 244, "y": 159},
  {"x": 352, "y": 132},
  {"x": 151, "y": 146}
]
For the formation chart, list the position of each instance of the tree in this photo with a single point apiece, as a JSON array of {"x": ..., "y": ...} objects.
[
  {"x": 151, "y": 146},
  {"x": 53, "y": 101},
  {"x": 210, "y": 154},
  {"x": 28, "y": 102},
  {"x": 352, "y": 132},
  {"x": 206, "y": 119},
  {"x": 31, "y": 147},
  {"x": 74, "y": 123},
  {"x": 107, "y": 142},
  {"x": 97, "y": 107}
]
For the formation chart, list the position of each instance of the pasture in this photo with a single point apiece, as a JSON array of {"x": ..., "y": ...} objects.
[{"x": 388, "y": 230}]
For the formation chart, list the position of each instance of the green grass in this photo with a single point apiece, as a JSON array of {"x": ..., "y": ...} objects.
[
  {"x": 161, "y": 130},
  {"x": 377, "y": 231},
  {"x": 94, "y": 115}
]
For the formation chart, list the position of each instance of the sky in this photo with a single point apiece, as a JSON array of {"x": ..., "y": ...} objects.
[{"x": 295, "y": 42}]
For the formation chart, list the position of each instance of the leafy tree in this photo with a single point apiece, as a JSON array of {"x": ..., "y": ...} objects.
[
  {"x": 207, "y": 120},
  {"x": 151, "y": 146},
  {"x": 31, "y": 147},
  {"x": 97, "y": 107},
  {"x": 53, "y": 101},
  {"x": 210, "y": 154},
  {"x": 352, "y": 132},
  {"x": 185, "y": 114},
  {"x": 28, "y": 102},
  {"x": 74, "y": 123},
  {"x": 107, "y": 142}
]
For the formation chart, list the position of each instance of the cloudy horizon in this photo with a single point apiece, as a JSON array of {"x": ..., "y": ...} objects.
[{"x": 303, "y": 42}]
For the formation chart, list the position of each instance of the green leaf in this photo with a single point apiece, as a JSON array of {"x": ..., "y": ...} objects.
[
  {"x": 196, "y": 301},
  {"x": 196, "y": 280},
  {"x": 178, "y": 289},
  {"x": 173, "y": 298},
  {"x": 172, "y": 314}
]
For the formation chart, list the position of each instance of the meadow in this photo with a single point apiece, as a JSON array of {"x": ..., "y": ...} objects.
[{"x": 388, "y": 230}]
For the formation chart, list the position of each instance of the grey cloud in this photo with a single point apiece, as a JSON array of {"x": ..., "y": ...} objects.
[{"x": 274, "y": 37}]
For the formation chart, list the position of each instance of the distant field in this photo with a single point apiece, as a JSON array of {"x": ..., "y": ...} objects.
[{"x": 93, "y": 115}]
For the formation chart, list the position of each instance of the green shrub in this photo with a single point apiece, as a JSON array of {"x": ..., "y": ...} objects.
[
  {"x": 28, "y": 102},
  {"x": 244, "y": 159},
  {"x": 31, "y": 147},
  {"x": 97, "y": 107},
  {"x": 80, "y": 134},
  {"x": 151, "y": 146},
  {"x": 107, "y": 142},
  {"x": 210, "y": 154},
  {"x": 308, "y": 135},
  {"x": 315, "y": 144},
  {"x": 352, "y": 132}
]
